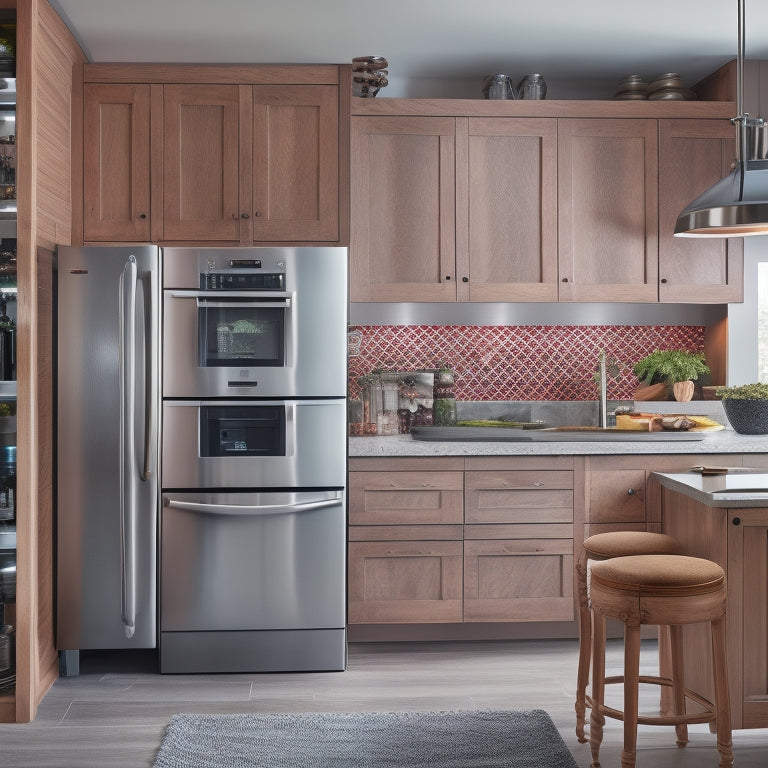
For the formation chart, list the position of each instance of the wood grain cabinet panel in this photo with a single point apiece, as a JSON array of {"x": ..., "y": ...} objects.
[
  {"x": 526, "y": 496},
  {"x": 617, "y": 496},
  {"x": 518, "y": 580},
  {"x": 201, "y": 162},
  {"x": 507, "y": 222},
  {"x": 295, "y": 163},
  {"x": 405, "y": 582},
  {"x": 403, "y": 209},
  {"x": 693, "y": 155},
  {"x": 608, "y": 210},
  {"x": 392, "y": 498},
  {"x": 116, "y": 162}
]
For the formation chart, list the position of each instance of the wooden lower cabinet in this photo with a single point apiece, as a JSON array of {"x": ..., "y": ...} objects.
[
  {"x": 442, "y": 540},
  {"x": 404, "y": 581}
]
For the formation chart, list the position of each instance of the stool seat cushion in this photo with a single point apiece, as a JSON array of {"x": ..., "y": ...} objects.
[
  {"x": 659, "y": 574},
  {"x": 624, "y": 543}
]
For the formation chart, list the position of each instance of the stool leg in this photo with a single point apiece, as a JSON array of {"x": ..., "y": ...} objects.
[
  {"x": 666, "y": 705},
  {"x": 678, "y": 681},
  {"x": 596, "y": 717},
  {"x": 585, "y": 649},
  {"x": 722, "y": 703},
  {"x": 631, "y": 676}
]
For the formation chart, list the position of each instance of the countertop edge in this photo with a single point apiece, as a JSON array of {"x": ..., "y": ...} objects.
[{"x": 726, "y": 441}]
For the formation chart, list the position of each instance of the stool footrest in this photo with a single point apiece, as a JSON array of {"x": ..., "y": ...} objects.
[{"x": 684, "y": 719}]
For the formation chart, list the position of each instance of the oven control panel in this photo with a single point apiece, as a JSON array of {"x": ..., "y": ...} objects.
[{"x": 242, "y": 281}]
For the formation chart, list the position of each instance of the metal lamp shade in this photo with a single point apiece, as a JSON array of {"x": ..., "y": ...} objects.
[{"x": 736, "y": 206}]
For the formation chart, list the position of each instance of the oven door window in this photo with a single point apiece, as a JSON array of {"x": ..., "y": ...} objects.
[
  {"x": 249, "y": 430},
  {"x": 239, "y": 334}
]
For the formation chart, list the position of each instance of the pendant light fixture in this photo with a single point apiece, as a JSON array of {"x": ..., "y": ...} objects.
[{"x": 737, "y": 205}]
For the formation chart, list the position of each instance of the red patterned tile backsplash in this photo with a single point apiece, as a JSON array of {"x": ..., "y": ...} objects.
[{"x": 521, "y": 362}]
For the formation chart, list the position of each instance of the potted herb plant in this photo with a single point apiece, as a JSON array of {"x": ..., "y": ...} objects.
[
  {"x": 673, "y": 368},
  {"x": 746, "y": 407}
]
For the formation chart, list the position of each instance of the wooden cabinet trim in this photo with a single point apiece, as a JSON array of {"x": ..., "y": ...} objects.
[
  {"x": 433, "y": 531},
  {"x": 512, "y": 463},
  {"x": 399, "y": 464},
  {"x": 546, "y": 529},
  {"x": 221, "y": 74}
]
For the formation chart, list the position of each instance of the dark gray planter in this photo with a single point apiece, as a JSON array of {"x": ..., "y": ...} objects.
[{"x": 747, "y": 417}]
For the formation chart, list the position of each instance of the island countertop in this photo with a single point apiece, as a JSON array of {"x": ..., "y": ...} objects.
[
  {"x": 725, "y": 441},
  {"x": 739, "y": 487}
]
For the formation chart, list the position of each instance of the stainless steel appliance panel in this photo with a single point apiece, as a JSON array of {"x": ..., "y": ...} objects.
[
  {"x": 262, "y": 561},
  {"x": 274, "y": 650},
  {"x": 312, "y": 360},
  {"x": 314, "y": 451},
  {"x": 107, "y": 422}
]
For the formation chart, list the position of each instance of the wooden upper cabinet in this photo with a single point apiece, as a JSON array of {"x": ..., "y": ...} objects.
[
  {"x": 116, "y": 162},
  {"x": 608, "y": 209},
  {"x": 507, "y": 209},
  {"x": 693, "y": 155},
  {"x": 403, "y": 209},
  {"x": 295, "y": 169},
  {"x": 201, "y": 151}
]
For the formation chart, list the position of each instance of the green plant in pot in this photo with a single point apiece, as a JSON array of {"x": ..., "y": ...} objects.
[
  {"x": 670, "y": 368},
  {"x": 746, "y": 407}
]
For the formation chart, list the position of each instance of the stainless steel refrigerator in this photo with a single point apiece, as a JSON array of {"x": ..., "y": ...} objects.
[{"x": 107, "y": 422}]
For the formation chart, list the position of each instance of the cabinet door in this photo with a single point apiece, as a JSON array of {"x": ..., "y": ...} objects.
[
  {"x": 403, "y": 209},
  {"x": 617, "y": 496},
  {"x": 295, "y": 163},
  {"x": 201, "y": 151},
  {"x": 405, "y": 582},
  {"x": 116, "y": 162},
  {"x": 506, "y": 234},
  {"x": 608, "y": 210},
  {"x": 693, "y": 155},
  {"x": 518, "y": 580}
]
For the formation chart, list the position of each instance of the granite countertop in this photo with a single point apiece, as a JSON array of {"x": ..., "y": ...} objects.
[
  {"x": 739, "y": 487},
  {"x": 725, "y": 441}
]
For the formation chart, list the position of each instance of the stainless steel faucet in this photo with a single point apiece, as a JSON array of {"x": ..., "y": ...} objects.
[{"x": 603, "y": 374}]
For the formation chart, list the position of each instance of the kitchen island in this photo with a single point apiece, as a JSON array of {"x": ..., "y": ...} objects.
[{"x": 724, "y": 518}]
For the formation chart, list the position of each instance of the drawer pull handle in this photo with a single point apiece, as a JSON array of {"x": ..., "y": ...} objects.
[
  {"x": 630, "y": 491},
  {"x": 538, "y": 485}
]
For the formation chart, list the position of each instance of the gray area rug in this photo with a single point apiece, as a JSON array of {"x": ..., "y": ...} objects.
[{"x": 471, "y": 739}]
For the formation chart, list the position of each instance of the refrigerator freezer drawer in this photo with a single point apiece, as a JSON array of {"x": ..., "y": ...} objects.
[{"x": 250, "y": 561}]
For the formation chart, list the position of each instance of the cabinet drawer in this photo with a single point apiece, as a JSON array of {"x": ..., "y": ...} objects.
[
  {"x": 402, "y": 498},
  {"x": 617, "y": 496},
  {"x": 405, "y": 582},
  {"x": 518, "y": 580},
  {"x": 519, "y": 497}
]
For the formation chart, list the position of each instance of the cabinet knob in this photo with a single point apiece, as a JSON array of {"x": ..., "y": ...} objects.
[
  {"x": 663, "y": 280},
  {"x": 142, "y": 215},
  {"x": 565, "y": 280},
  {"x": 244, "y": 216},
  {"x": 464, "y": 279},
  {"x": 447, "y": 277},
  {"x": 737, "y": 521},
  {"x": 630, "y": 491},
  {"x": 257, "y": 214}
]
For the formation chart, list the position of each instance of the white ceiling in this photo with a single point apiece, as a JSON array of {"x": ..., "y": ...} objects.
[{"x": 591, "y": 43}]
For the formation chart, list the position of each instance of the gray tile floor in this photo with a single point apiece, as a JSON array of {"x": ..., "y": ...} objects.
[{"x": 114, "y": 714}]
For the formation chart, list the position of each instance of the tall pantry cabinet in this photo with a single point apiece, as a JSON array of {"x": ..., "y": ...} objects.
[{"x": 46, "y": 57}]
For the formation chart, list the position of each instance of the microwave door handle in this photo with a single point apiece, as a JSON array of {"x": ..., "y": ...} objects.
[
  {"x": 234, "y": 509},
  {"x": 127, "y": 320}
]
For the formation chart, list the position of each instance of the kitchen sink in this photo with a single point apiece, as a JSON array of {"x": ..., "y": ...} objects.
[{"x": 550, "y": 434}]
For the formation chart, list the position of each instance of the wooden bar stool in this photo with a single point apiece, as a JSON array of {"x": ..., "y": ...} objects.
[
  {"x": 667, "y": 590},
  {"x": 604, "y": 546}
]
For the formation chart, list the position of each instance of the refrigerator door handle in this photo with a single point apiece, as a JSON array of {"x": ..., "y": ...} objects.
[
  {"x": 128, "y": 285},
  {"x": 151, "y": 379},
  {"x": 234, "y": 509}
]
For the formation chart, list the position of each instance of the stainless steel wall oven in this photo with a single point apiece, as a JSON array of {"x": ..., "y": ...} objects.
[{"x": 253, "y": 518}]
